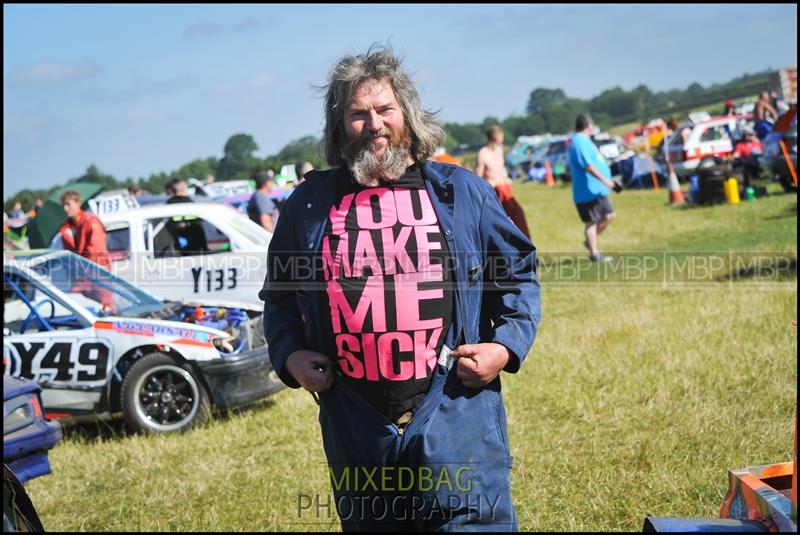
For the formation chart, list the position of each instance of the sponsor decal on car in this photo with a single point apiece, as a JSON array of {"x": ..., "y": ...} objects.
[{"x": 146, "y": 329}]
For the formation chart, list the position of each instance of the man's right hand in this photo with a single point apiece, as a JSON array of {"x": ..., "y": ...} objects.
[{"x": 314, "y": 371}]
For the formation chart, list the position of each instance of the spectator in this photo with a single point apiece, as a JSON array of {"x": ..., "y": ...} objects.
[
  {"x": 591, "y": 184},
  {"x": 83, "y": 233},
  {"x": 187, "y": 232},
  {"x": 300, "y": 169},
  {"x": 37, "y": 205},
  {"x": 746, "y": 155},
  {"x": 178, "y": 191},
  {"x": 16, "y": 211},
  {"x": 491, "y": 167},
  {"x": 765, "y": 115},
  {"x": 537, "y": 172},
  {"x": 261, "y": 207},
  {"x": 730, "y": 107}
]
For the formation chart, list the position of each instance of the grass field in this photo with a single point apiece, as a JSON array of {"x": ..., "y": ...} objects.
[{"x": 638, "y": 396}]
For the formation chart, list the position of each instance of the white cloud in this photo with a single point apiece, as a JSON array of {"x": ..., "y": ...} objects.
[
  {"x": 247, "y": 23},
  {"x": 262, "y": 80},
  {"x": 21, "y": 124},
  {"x": 212, "y": 29},
  {"x": 142, "y": 113},
  {"x": 46, "y": 73},
  {"x": 203, "y": 29}
]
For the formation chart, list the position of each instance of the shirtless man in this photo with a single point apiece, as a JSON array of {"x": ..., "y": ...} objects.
[
  {"x": 491, "y": 167},
  {"x": 763, "y": 112},
  {"x": 490, "y": 163}
]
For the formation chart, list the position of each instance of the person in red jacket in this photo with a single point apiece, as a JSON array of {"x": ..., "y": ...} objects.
[{"x": 84, "y": 234}]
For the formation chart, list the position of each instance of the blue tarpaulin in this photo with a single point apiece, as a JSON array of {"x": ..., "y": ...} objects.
[{"x": 636, "y": 172}]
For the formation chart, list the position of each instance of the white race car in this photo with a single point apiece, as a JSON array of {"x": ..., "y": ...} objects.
[
  {"x": 187, "y": 251},
  {"x": 98, "y": 345}
]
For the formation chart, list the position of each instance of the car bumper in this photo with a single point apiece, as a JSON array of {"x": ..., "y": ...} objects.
[
  {"x": 686, "y": 168},
  {"x": 26, "y": 453},
  {"x": 240, "y": 379}
]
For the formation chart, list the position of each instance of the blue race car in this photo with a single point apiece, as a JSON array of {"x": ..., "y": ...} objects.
[{"x": 27, "y": 435}]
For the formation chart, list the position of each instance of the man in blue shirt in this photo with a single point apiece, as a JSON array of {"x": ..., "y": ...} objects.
[
  {"x": 261, "y": 207},
  {"x": 591, "y": 184}
]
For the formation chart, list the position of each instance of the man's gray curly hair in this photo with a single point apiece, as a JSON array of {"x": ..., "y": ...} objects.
[{"x": 378, "y": 63}]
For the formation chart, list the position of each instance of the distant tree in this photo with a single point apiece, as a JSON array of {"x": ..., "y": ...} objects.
[
  {"x": 642, "y": 102},
  {"x": 487, "y": 122},
  {"x": 26, "y": 197},
  {"x": 238, "y": 157},
  {"x": 155, "y": 183},
  {"x": 541, "y": 96},
  {"x": 602, "y": 120},
  {"x": 468, "y": 133},
  {"x": 615, "y": 102},
  {"x": 93, "y": 175},
  {"x": 559, "y": 118},
  {"x": 694, "y": 91},
  {"x": 525, "y": 125},
  {"x": 305, "y": 148},
  {"x": 197, "y": 168}
]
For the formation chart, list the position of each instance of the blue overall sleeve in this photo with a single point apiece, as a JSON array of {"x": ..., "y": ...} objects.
[
  {"x": 283, "y": 322},
  {"x": 511, "y": 291}
]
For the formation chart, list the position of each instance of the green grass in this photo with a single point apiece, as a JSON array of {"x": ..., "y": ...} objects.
[{"x": 636, "y": 399}]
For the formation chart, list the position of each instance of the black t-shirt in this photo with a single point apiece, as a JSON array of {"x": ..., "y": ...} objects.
[{"x": 388, "y": 289}]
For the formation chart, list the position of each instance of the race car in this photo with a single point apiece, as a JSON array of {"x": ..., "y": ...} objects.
[
  {"x": 155, "y": 248},
  {"x": 99, "y": 345}
]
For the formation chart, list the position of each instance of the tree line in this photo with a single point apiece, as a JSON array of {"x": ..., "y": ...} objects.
[
  {"x": 547, "y": 111},
  {"x": 552, "y": 111}
]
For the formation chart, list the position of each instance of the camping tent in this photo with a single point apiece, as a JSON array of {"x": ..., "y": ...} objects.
[
  {"x": 44, "y": 226},
  {"x": 637, "y": 170}
]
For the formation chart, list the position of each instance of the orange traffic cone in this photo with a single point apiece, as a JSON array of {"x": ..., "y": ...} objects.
[
  {"x": 548, "y": 174},
  {"x": 675, "y": 191}
]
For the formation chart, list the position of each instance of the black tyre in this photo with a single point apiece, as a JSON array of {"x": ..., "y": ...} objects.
[{"x": 159, "y": 395}]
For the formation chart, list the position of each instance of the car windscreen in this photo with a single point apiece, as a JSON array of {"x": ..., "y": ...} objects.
[
  {"x": 106, "y": 293},
  {"x": 680, "y": 136},
  {"x": 251, "y": 231}
]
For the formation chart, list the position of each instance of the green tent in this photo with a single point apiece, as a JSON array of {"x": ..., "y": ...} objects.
[{"x": 44, "y": 226}]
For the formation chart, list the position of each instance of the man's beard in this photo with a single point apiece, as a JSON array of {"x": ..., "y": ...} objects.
[{"x": 370, "y": 169}]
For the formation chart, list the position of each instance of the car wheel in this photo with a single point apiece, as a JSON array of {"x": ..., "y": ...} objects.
[{"x": 160, "y": 395}]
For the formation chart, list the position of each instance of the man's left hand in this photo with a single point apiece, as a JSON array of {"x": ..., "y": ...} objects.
[{"x": 479, "y": 364}]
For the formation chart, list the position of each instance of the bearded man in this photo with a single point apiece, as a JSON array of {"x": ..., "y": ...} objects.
[{"x": 397, "y": 291}]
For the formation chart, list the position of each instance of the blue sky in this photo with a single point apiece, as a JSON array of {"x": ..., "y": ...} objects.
[{"x": 138, "y": 89}]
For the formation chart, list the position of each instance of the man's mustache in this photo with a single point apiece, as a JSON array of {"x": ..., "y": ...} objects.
[{"x": 383, "y": 132}]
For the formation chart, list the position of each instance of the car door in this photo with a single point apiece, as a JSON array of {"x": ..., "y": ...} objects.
[
  {"x": 47, "y": 340},
  {"x": 123, "y": 241},
  {"x": 191, "y": 258},
  {"x": 715, "y": 140}
]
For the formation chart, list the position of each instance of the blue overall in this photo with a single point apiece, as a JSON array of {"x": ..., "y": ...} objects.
[{"x": 454, "y": 454}]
